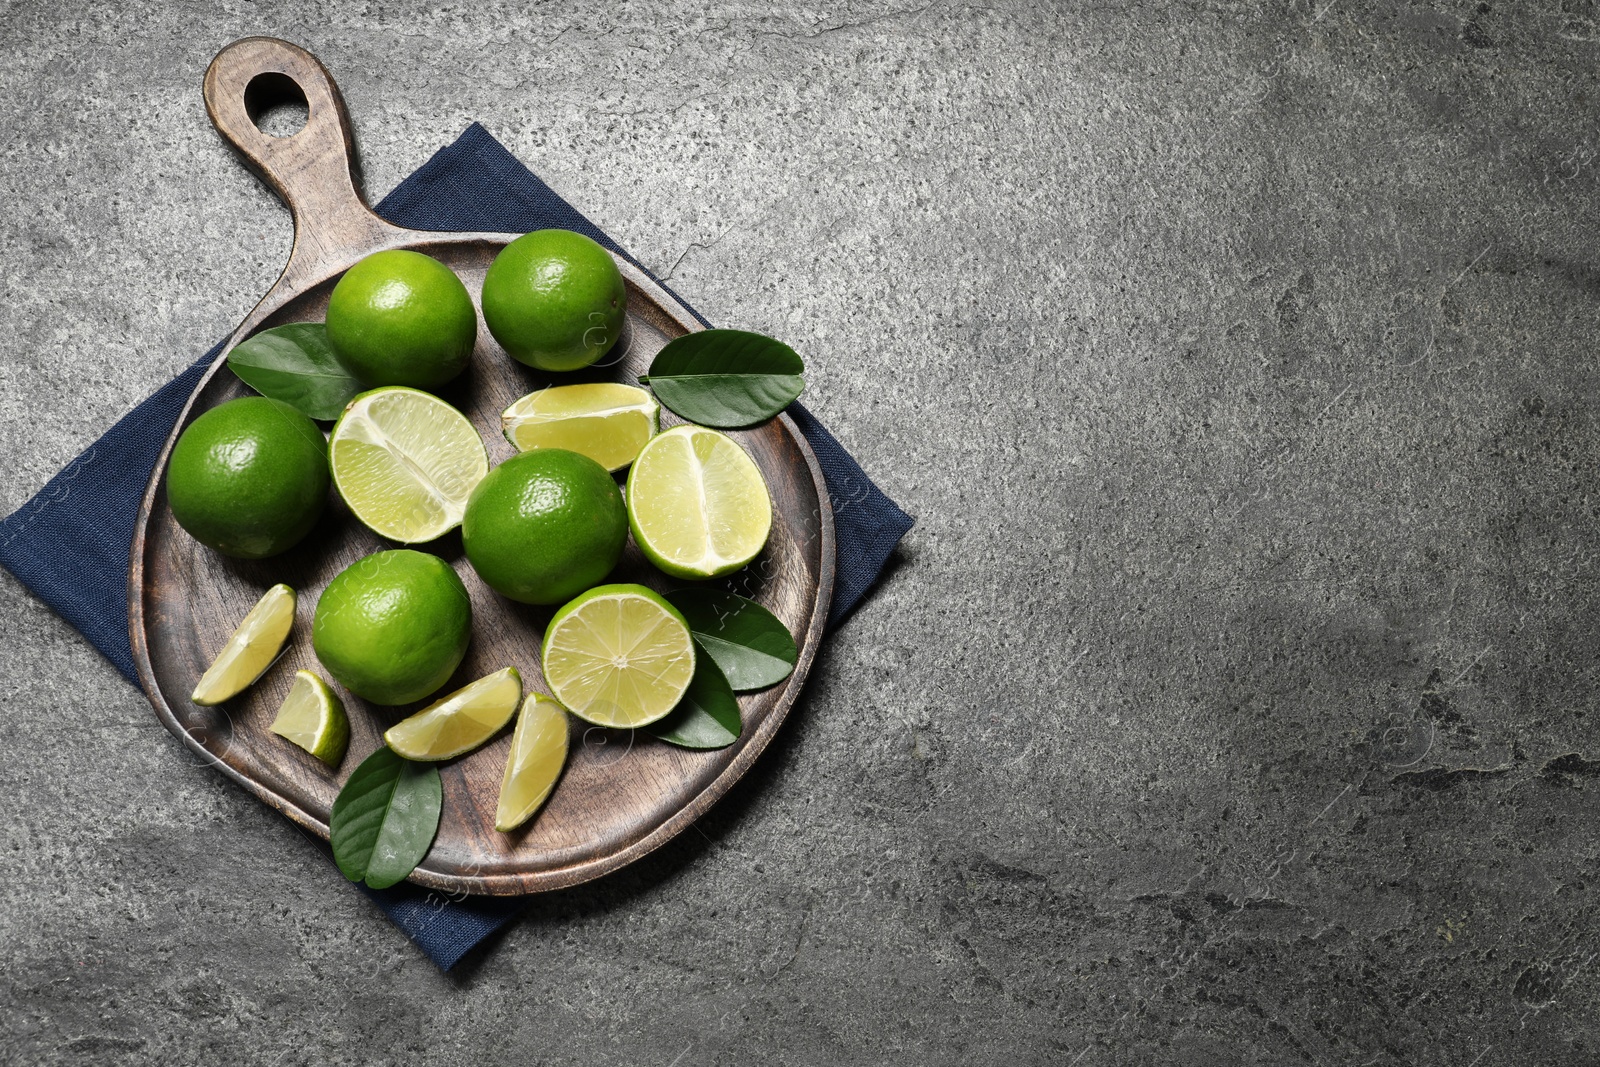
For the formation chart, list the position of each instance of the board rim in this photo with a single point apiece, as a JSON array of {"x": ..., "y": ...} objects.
[{"x": 502, "y": 883}]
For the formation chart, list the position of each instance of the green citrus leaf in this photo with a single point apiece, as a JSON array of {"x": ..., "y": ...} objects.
[
  {"x": 384, "y": 818},
  {"x": 296, "y": 364},
  {"x": 708, "y": 714},
  {"x": 726, "y": 378},
  {"x": 751, "y": 645}
]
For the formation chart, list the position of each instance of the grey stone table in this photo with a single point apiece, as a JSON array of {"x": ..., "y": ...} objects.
[{"x": 1233, "y": 701}]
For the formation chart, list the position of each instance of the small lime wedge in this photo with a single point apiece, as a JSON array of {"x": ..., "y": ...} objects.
[
  {"x": 461, "y": 721},
  {"x": 538, "y": 752},
  {"x": 251, "y": 649},
  {"x": 606, "y": 421},
  {"x": 697, "y": 503},
  {"x": 405, "y": 462},
  {"x": 312, "y": 716},
  {"x": 618, "y": 655}
]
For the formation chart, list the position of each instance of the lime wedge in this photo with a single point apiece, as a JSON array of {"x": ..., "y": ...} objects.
[
  {"x": 312, "y": 716},
  {"x": 461, "y": 721},
  {"x": 618, "y": 655},
  {"x": 697, "y": 503},
  {"x": 405, "y": 462},
  {"x": 538, "y": 752},
  {"x": 606, "y": 421},
  {"x": 251, "y": 649}
]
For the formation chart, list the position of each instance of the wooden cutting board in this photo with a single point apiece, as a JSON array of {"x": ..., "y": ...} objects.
[{"x": 624, "y": 793}]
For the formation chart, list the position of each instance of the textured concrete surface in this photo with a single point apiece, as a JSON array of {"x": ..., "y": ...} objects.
[{"x": 1231, "y": 703}]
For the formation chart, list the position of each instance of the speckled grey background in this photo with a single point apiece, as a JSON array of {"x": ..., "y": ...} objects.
[{"x": 1233, "y": 701}]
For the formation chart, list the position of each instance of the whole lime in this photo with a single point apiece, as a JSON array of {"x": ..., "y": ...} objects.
[
  {"x": 544, "y": 526},
  {"x": 392, "y": 627},
  {"x": 402, "y": 318},
  {"x": 249, "y": 477},
  {"x": 554, "y": 300}
]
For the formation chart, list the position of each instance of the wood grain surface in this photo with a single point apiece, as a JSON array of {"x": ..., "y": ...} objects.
[{"x": 623, "y": 793}]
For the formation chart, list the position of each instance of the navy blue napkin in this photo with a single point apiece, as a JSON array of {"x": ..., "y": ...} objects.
[{"x": 70, "y": 543}]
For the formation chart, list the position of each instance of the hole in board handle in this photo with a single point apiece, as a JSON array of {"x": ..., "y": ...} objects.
[{"x": 276, "y": 104}]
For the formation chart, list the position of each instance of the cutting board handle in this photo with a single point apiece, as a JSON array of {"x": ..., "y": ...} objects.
[{"x": 313, "y": 170}]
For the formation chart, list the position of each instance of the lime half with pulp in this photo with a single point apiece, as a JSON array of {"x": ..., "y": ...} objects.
[
  {"x": 618, "y": 655},
  {"x": 405, "y": 462},
  {"x": 697, "y": 503}
]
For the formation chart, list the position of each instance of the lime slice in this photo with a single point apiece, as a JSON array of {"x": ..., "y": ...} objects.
[
  {"x": 251, "y": 649},
  {"x": 405, "y": 462},
  {"x": 312, "y": 716},
  {"x": 538, "y": 752},
  {"x": 697, "y": 503},
  {"x": 618, "y": 655},
  {"x": 461, "y": 721},
  {"x": 606, "y": 421}
]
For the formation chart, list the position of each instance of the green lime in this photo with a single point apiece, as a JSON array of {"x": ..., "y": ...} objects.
[
  {"x": 544, "y": 526},
  {"x": 402, "y": 318},
  {"x": 393, "y": 627},
  {"x": 554, "y": 300},
  {"x": 249, "y": 477}
]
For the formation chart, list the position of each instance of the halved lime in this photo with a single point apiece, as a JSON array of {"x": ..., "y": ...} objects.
[
  {"x": 405, "y": 462},
  {"x": 251, "y": 649},
  {"x": 697, "y": 503},
  {"x": 538, "y": 752},
  {"x": 618, "y": 655},
  {"x": 312, "y": 716},
  {"x": 606, "y": 421},
  {"x": 461, "y": 721}
]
